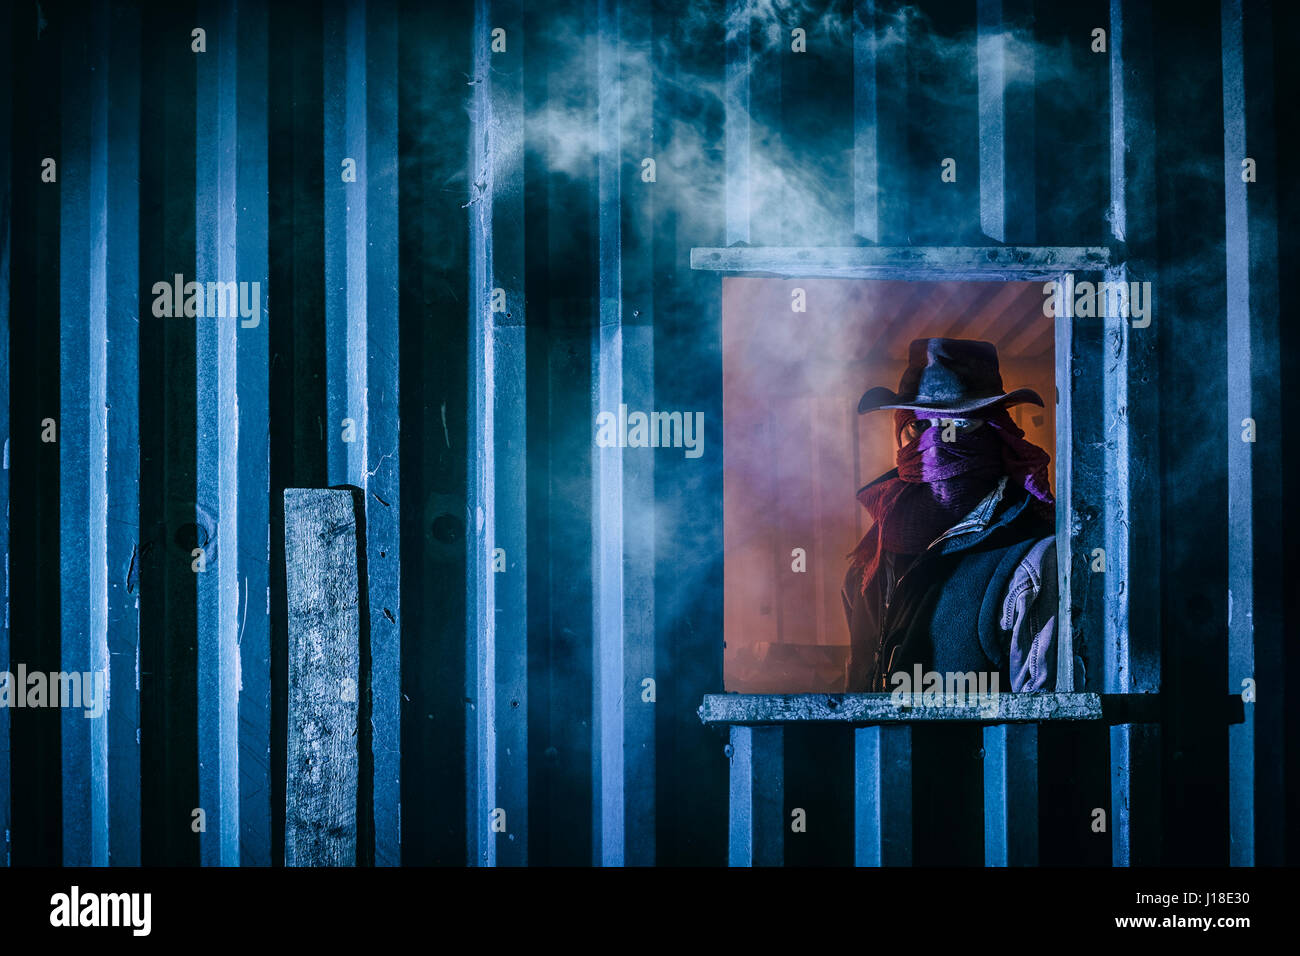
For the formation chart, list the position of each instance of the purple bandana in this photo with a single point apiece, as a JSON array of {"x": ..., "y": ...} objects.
[{"x": 939, "y": 483}]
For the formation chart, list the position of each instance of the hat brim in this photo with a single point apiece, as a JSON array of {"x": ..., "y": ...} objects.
[{"x": 875, "y": 399}]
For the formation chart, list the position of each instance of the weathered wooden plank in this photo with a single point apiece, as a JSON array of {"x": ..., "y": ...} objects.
[
  {"x": 122, "y": 288},
  {"x": 1081, "y": 514},
  {"x": 344, "y": 142},
  {"x": 480, "y": 596},
  {"x": 622, "y": 526},
  {"x": 867, "y": 796},
  {"x": 1256, "y": 748},
  {"x": 1117, "y": 676},
  {"x": 1064, "y": 456},
  {"x": 1015, "y": 263},
  {"x": 736, "y": 121},
  {"x": 638, "y": 611},
  {"x": 1011, "y": 795},
  {"x": 1006, "y": 122},
  {"x": 639, "y": 205},
  {"x": 991, "y": 73},
  {"x": 1131, "y": 658},
  {"x": 1241, "y": 537},
  {"x": 995, "y": 795},
  {"x": 324, "y": 591},
  {"x": 83, "y": 495},
  {"x": 362, "y": 350},
  {"x": 757, "y": 709},
  {"x": 344, "y": 138},
  {"x": 866, "y": 165},
  {"x": 378, "y": 351},
  {"x": 766, "y": 194},
  {"x": 252, "y": 471},
  {"x": 757, "y": 815},
  {"x": 882, "y": 796},
  {"x": 217, "y": 443},
  {"x": 1265, "y": 576},
  {"x": 509, "y": 435}
]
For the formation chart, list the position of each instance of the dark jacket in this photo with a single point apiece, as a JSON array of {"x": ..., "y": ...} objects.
[{"x": 981, "y": 598}]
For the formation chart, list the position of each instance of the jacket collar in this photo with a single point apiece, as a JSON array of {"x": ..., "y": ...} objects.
[
  {"x": 983, "y": 519},
  {"x": 997, "y": 510}
]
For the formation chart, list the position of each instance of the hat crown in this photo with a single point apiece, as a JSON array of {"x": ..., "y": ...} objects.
[
  {"x": 958, "y": 376},
  {"x": 950, "y": 370}
]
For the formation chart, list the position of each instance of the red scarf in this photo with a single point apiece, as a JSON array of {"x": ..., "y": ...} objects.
[{"x": 939, "y": 483}]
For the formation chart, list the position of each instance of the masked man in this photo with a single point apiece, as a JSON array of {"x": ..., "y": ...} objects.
[{"x": 958, "y": 573}]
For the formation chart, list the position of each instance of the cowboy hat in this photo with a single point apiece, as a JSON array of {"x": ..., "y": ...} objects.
[{"x": 949, "y": 377}]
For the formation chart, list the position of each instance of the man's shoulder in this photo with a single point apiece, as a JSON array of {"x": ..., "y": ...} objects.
[{"x": 1031, "y": 517}]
